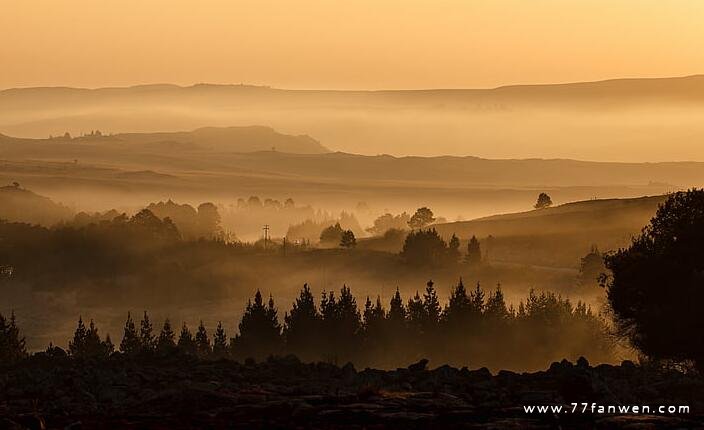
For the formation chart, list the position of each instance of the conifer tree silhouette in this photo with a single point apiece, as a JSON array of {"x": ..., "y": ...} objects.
[
  {"x": 260, "y": 331},
  {"x": 166, "y": 342},
  {"x": 130, "y": 339},
  {"x": 146, "y": 336},
  {"x": 203, "y": 347},
  {"x": 186, "y": 344},
  {"x": 77, "y": 346},
  {"x": 303, "y": 320},
  {"x": 220, "y": 341}
]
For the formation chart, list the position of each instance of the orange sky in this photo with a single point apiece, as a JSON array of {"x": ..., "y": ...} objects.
[{"x": 346, "y": 44}]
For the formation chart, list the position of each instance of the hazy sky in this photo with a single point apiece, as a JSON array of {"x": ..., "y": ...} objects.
[{"x": 346, "y": 44}]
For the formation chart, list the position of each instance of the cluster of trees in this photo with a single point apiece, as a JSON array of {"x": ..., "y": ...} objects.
[
  {"x": 473, "y": 327},
  {"x": 427, "y": 248},
  {"x": 328, "y": 232},
  {"x": 140, "y": 253},
  {"x": 12, "y": 345},
  {"x": 194, "y": 223},
  {"x": 655, "y": 289},
  {"x": 335, "y": 235},
  {"x": 388, "y": 222}
]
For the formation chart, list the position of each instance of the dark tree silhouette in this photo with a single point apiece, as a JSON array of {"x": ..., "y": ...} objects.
[
  {"x": 186, "y": 344},
  {"x": 130, "y": 339},
  {"x": 432, "y": 308},
  {"x": 656, "y": 289},
  {"x": 397, "y": 312},
  {"x": 12, "y": 346},
  {"x": 146, "y": 337},
  {"x": 341, "y": 324},
  {"x": 591, "y": 267},
  {"x": 422, "y": 218},
  {"x": 332, "y": 235},
  {"x": 303, "y": 320},
  {"x": 424, "y": 248},
  {"x": 453, "y": 249},
  {"x": 76, "y": 347},
  {"x": 220, "y": 341},
  {"x": 166, "y": 342},
  {"x": 543, "y": 201},
  {"x": 474, "y": 252},
  {"x": 260, "y": 331},
  {"x": 388, "y": 222},
  {"x": 348, "y": 240},
  {"x": 203, "y": 347}
]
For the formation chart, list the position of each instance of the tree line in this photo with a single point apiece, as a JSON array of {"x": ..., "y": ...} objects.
[{"x": 474, "y": 327}]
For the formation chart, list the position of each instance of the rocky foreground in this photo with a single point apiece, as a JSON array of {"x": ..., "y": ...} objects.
[{"x": 181, "y": 393}]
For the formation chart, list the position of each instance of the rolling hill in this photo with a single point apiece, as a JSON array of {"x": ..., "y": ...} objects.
[{"x": 615, "y": 120}]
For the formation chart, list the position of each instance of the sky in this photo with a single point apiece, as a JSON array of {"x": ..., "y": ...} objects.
[{"x": 360, "y": 44}]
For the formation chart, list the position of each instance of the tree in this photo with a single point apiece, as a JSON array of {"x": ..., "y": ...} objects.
[
  {"x": 220, "y": 341},
  {"x": 474, "y": 252},
  {"x": 209, "y": 221},
  {"x": 203, "y": 347},
  {"x": 432, "y": 308},
  {"x": 655, "y": 290},
  {"x": 424, "y": 248},
  {"x": 397, "y": 312},
  {"x": 130, "y": 340},
  {"x": 260, "y": 331},
  {"x": 388, "y": 222},
  {"x": 166, "y": 342},
  {"x": 12, "y": 346},
  {"x": 303, "y": 320},
  {"x": 453, "y": 249},
  {"x": 348, "y": 240},
  {"x": 76, "y": 347},
  {"x": 331, "y": 235},
  {"x": 146, "y": 337},
  {"x": 543, "y": 201},
  {"x": 186, "y": 344},
  {"x": 421, "y": 218},
  {"x": 591, "y": 267}
]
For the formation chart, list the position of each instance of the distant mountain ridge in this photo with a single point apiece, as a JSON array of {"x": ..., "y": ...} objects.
[
  {"x": 214, "y": 139},
  {"x": 613, "y": 120}
]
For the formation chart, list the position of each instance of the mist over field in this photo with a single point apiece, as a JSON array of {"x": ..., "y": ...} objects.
[{"x": 278, "y": 176}]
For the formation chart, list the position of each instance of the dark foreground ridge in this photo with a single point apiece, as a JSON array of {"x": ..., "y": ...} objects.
[{"x": 181, "y": 392}]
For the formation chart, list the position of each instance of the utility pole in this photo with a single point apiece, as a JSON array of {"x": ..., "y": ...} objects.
[{"x": 266, "y": 235}]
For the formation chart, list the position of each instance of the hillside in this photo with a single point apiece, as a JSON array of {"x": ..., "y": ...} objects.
[
  {"x": 561, "y": 235},
  {"x": 21, "y": 205},
  {"x": 622, "y": 119}
]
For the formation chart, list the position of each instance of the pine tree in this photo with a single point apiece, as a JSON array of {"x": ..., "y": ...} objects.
[
  {"x": 220, "y": 341},
  {"x": 416, "y": 314},
  {"x": 186, "y": 344},
  {"x": 303, "y": 320},
  {"x": 453, "y": 249},
  {"x": 77, "y": 346},
  {"x": 459, "y": 308},
  {"x": 166, "y": 342},
  {"x": 431, "y": 304},
  {"x": 12, "y": 346},
  {"x": 108, "y": 346},
  {"x": 146, "y": 336},
  {"x": 260, "y": 332},
  {"x": 348, "y": 240},
  {"x": 495, "y": 310},
  {"x": 477, "y": 297},
  {"x": 202, "y": 341},
  {"x": 94, "y": 347},
  {"x": 130, "y": 340},
  {"x": 474, "y": 252},
  {"x": 397, "y": 312}
]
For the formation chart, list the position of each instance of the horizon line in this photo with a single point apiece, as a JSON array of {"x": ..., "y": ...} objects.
[{"x": 270, "y": 87}]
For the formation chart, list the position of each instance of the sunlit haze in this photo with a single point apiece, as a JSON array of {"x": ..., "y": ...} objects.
[{"x": 365, "y": 44}]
